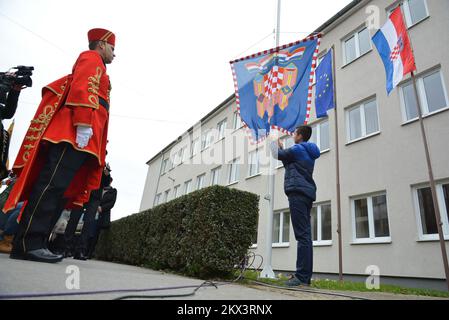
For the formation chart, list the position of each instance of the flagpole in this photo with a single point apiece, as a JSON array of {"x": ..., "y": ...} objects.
[
  {"x": 432, "y": 183},
  {"x": 337, "y": 171},
  {"x": 267, "y": 271},
  {"x": 433, "y": 188}
]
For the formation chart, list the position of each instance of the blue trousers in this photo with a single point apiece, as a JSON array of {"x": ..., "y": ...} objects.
[
  {"x": 300, "y": 208},
  {"x": 9, "y": 220}
]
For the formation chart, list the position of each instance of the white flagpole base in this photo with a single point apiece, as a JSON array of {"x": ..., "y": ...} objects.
[{"x": 267, "y": 272}]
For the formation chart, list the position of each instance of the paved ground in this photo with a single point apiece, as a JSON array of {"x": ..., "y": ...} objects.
[{"x": 26, "y": 277}]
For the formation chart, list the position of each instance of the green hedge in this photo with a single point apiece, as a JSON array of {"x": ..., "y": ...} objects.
[{"x": 203, "y": 234}]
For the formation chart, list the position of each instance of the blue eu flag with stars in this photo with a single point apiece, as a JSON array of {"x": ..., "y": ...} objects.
[{"x": 324, "y": 92}]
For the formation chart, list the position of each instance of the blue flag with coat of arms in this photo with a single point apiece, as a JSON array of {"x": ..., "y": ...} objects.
[{"x": 273, "y": 88}]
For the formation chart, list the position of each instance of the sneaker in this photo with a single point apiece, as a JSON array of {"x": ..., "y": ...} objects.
[{"x": 295, "y": 282}]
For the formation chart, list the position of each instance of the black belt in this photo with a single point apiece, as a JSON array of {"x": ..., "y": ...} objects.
[{"x": 104, "y": 103}]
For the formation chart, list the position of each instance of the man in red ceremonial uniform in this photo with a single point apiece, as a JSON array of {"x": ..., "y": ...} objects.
[{"x": 63, "y": 154}]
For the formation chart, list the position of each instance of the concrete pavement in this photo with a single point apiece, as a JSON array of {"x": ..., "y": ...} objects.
[{"x": 78, "y": 279}]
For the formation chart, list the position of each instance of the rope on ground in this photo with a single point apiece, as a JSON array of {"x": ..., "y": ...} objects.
[
  {"x": 209, "y": 284},
  {"x": 94, "y": 292},
  {"x": 245, "y": 265}
]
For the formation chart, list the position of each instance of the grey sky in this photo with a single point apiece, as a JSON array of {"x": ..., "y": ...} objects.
[{"x": 172, "y": 64}]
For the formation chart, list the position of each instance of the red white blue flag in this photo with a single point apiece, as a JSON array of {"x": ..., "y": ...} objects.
[
  {"x": 273, "y": 88},
  {"x": 394, "y": 47}
]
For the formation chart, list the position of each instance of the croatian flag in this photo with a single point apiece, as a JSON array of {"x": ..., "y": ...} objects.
[{"x": 394, "y": 47}]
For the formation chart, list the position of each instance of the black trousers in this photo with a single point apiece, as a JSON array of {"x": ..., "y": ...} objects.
[
  {"x": 44, "y": 202},
  {"x": 89, "y": 210},
  {"x": 93, "y": 239},
  {"x": 69, "y": 233}
]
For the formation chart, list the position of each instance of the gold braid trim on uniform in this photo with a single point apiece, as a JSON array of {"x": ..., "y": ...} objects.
[
  {"x": 94, "y": 86},
  {"x": 109, "y": 92},
  {"x": 42, "y": 121}
]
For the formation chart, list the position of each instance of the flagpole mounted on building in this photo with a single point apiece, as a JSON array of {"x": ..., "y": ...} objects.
[
  {"x": 395, "y": 48},
  {"x": 337, "y": 171},
  {"x": 432, "y": 183},
  {"x": 267, "y": 271}
]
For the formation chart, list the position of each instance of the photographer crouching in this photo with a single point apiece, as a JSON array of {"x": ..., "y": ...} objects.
[{"x": 11, "y": 83}]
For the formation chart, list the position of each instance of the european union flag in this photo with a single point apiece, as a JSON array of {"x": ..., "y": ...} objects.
[
  {"x": 324, "y": 91},
  {"x": 273, "y": 88}
]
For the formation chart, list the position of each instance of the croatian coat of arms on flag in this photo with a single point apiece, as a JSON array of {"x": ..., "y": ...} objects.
[{"x": 273, "y": 88}]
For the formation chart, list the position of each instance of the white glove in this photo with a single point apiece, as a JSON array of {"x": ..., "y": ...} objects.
[{"x": 83, "y": 134}]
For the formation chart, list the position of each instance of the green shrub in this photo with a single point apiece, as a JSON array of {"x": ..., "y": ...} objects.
[{"x": 202, "y": 234}]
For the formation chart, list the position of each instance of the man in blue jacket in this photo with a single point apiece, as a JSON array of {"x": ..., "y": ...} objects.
[{"x": 299, "y": 161}]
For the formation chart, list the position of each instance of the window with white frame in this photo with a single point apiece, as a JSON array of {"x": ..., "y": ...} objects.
[
  {"x": 233, "y": 171},
  {"x": 431, "y": 92},
  {"x": 320, "y": 135},
  {"x": 180, "y": 156},
  {"x": 287, "y": 142},
  {"x": 414, "y": 11},
  {"x": 321, "y": 222},
  {"x": 187, "y": 186},
  {"x": 166, "y": 194},
  {"x": 171, "y": 162},
  {"x": 164, "y": 166},
  {"x": 157, "y": 199},
  {"x": 184, "y": 154},
  {"x": 176, "y": 159},
  {"x": 356, "y": 45},
  {"x": 370, "y": 219},
  {"x": 195, "y": 147},
  {"x": 281, "y": 228},
  {"x": 237, "y": 122},
  {"x": 221, "y": 129},
  {"x": 207, "y": 139},
  {"x": 363, "y": 120},
  {"x": 177, "y": 191},
  {"x": 215, "y": 176},
  {"x": 200, "y": 181},
  {"x": 426, "y": 210},
  {"x": 253, "y": 163}
]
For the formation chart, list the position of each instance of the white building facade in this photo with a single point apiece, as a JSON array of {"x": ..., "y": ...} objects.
[{"x": 386, "y": 204}]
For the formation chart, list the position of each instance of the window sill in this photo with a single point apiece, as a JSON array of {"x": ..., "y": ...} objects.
[
  {"x": 372, "y": 241},
  {"x": 253, "y": 176},
  {"x": 432, "y": 238},
  {"x": 254, "y": 246},
  {"x": 235, "y": 130},
  {"x": 426, "y": 116},
  {"x": 418, "y": 22},
  {"x": 232, "y": 183},
  {"x": 325, "y": 243},
  {"x": 281, "y": 245},
  {"x": 358, "y": 58},
  {"x": 363, "y": 138}
]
